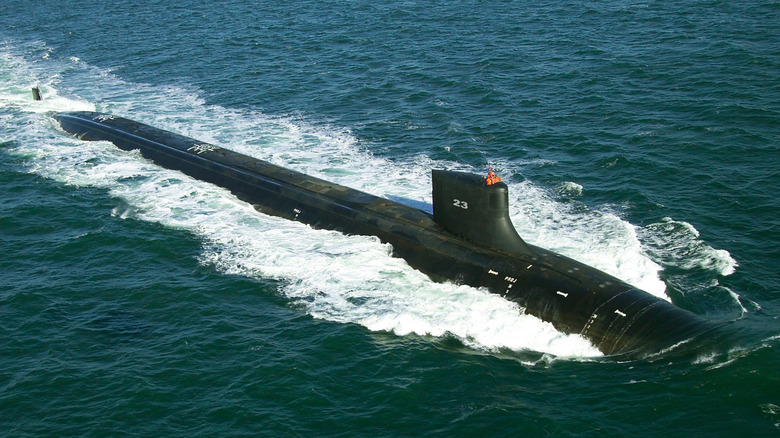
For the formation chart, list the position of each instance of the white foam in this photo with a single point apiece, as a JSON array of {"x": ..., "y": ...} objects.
[
  {"x": 335, "y": 277},
  {"x": 598, "y": 239},
  {"x": 570, "y": 188},
  {"x": 17, "y": 79},
  {"x": 677, "y": 243}
]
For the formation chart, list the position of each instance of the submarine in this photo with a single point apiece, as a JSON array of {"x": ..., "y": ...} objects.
[{"x": 469, "y": 239}]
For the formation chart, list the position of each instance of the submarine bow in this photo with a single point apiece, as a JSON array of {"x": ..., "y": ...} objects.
[{"x": 469, "y": 239}]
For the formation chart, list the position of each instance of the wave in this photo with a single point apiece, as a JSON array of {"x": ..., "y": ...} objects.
[{"x": 677, "y": 243}]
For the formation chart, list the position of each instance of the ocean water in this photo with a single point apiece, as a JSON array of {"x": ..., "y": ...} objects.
[{"x": 640, "y": 137}]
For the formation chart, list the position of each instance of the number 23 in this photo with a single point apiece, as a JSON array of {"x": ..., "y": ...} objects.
[{"x": 462, "y": 204}]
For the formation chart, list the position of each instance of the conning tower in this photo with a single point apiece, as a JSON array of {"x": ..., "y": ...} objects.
[{"x": 466, "y": 205}]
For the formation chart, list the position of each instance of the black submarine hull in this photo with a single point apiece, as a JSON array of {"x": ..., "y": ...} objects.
[{"x": 468, "y": 240}]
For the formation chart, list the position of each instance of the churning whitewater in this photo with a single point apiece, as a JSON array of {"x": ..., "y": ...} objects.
[{"x": 334, "y": 277}]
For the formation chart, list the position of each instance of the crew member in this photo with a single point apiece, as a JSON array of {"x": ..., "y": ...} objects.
[{"x": 492, "y": 178}]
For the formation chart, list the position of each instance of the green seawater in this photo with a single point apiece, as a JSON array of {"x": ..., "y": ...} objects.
[{"x": 640, "y": 137}]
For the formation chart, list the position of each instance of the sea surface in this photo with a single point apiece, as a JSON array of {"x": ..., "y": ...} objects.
[{"x": 640, "y": 137}]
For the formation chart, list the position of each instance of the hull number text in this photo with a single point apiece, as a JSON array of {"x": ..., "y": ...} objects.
[{"x": 460, "y": 204}]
